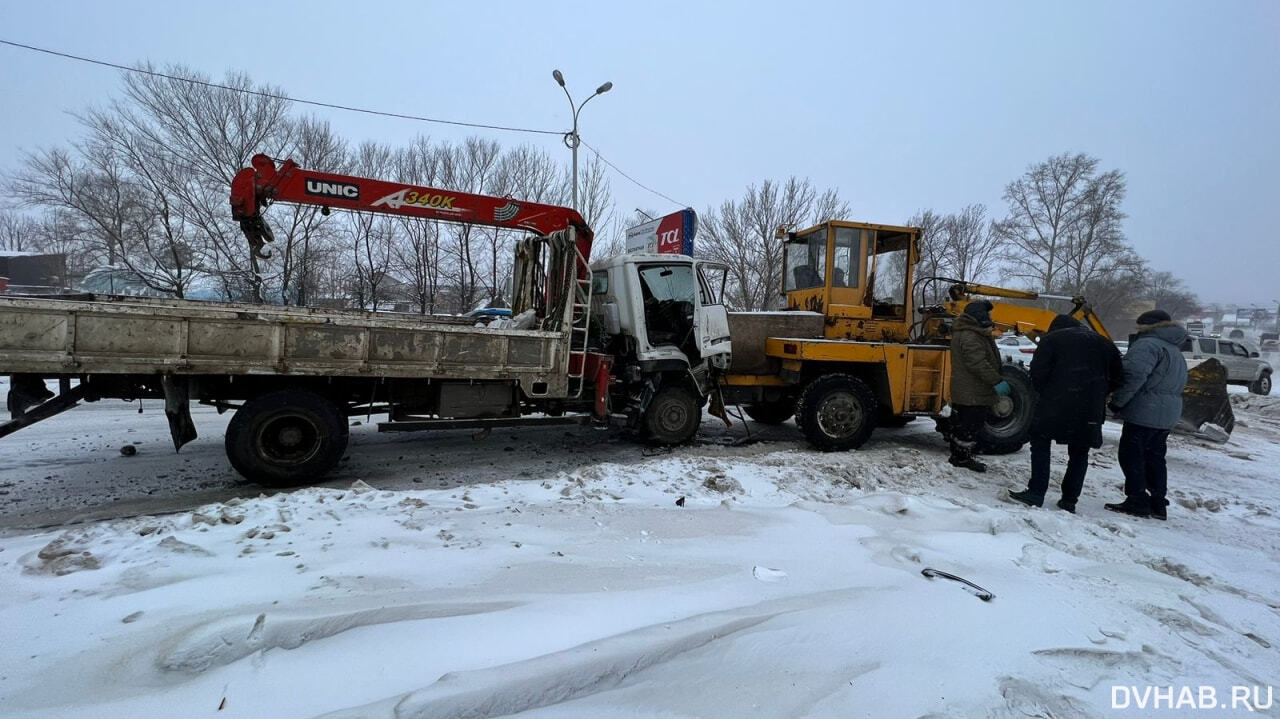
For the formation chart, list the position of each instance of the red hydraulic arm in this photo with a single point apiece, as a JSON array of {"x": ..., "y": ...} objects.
[{"x": 255, "y": 188}]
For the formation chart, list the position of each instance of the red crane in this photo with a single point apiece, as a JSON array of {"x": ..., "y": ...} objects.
[{"x": 254, "y": 188}]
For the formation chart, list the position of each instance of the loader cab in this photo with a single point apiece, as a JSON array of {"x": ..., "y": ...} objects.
[
  {"x": 662, "y": 308},
  {"x": 857, "y": 275}
]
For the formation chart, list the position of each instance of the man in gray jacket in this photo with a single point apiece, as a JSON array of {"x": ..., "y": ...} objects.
[{"x": 1150, "y": 403}]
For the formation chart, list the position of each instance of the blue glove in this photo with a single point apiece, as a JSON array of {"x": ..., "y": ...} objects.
[{"x": 1003, "y": 389}]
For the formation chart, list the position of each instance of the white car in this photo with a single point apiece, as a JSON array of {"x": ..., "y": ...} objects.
[
  {"x": 1016, "y": 349},
  {"x": 1244, "y": 364}
]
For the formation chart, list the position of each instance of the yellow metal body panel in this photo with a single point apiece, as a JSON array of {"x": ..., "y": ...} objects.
[{"x": 918, "y": 375}]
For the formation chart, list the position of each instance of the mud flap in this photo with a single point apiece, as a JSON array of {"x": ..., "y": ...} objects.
[
  {"x": 177, "y": 409},
  {"x": 1205, "y": 401}
]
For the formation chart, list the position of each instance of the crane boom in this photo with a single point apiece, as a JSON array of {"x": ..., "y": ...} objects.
[{"x": 255, "y": 188}]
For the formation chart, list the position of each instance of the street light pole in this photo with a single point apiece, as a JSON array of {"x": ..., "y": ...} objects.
[{"x": 571, "y": 138}]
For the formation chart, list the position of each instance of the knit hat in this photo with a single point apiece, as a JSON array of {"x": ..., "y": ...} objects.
[
  {"x": 1151, "y": 317},
  {"x": 980, "y": 312}
]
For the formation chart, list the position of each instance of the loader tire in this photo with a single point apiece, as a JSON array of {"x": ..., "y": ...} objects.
[
  {"x": 1009, "y": 422},
  {"x": 836, "y": 412},
  {"x": 1262, "y": 385},
  {"x": 673, "y": 416},
  {"x": 286, "y": 438},
  {"x": 775, "y": 412}
]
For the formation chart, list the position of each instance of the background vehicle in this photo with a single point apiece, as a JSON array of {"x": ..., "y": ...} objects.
[
  {"x": 293, "y": 375},
  {"x": 1244, "y": 365},
  {"x": 1017, "y": 349},
  {"x": 488, "y": 314},
  {"x": 1123, "y": 346}
]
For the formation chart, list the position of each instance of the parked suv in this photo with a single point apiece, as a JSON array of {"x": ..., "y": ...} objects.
[{"x": 1244, "y": 366}]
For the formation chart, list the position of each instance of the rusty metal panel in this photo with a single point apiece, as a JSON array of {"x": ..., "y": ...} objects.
[
  {"x": 127, "y": 335},
  {"x": 250, "y": 340},
  {"x": 324, "y": 342},
  {"x": 522, "y": 352},
  {"x": 33, "y": 332},
  {"x": 750, "y": 330},
  {"x": 404, "y": 346}
]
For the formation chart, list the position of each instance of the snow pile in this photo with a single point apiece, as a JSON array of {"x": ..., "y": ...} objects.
[{"x": 711, "y": 581}]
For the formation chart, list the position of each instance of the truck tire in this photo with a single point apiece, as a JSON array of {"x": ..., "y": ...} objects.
[
  {"x": 775, "y": 412},
  {"x": 836, "y": 412},
  {"x": 286, "y": 438},
  {"x": 673, "y": 416},
  {"x": 1262, "y": 385},
  {"x": 1009, "y": 422}
]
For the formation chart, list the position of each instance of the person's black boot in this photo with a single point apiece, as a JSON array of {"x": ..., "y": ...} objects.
[
  {"x": 968, "y": 463},
  {"x": 1129, "y": 508},
  {"x": 1027, "y": 498},
  {"x": 1159, "y": 509},
  {"x": 1066, "y": 506}
]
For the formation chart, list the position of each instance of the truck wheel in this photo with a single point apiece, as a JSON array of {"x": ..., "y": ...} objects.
[
  {"x": 775, "y": 412},
  {"x": 286, "y": 438},
  {"x": 1262, "y": 385},
  {"x": 836, "y": 412},
  {"x": 1009, "y": 422},
  {"x": 673, "y": 416}
]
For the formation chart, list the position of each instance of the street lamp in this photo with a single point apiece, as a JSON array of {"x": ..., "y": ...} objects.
[{"x": 571, "y": 138}]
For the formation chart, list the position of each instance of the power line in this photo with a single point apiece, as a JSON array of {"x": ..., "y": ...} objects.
[
  {"x": 274, "y": 96},
  {"x": 334, "y": 106},
  {"x": 633, "y": 180}
]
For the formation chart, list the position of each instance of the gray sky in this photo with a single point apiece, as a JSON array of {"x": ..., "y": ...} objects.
[{"x": 900, "y": 106}]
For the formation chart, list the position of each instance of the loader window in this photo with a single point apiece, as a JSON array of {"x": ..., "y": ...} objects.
[
  {"x": 887, "y": 277},
  {"x": 846, "y": 266},
  {"x": 806, "y": 261}
]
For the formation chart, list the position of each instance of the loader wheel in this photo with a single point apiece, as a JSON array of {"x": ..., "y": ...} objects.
[
  {"x": 1262, "y": 385},
  {"x": 673, "y": 416},
  {"x": 836, "y": 412},
  {"x": 1009, "y": 422},
  {"x": 775, "y": 412},
  {"x": 286, "y": 438}
]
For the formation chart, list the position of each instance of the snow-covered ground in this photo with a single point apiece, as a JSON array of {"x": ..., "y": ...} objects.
[{"x": 711, "y": 581}]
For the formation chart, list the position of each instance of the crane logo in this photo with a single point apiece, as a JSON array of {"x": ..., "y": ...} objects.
[
  {"x": 401, "y": 198},
  {"x": 342, "y": 190}
]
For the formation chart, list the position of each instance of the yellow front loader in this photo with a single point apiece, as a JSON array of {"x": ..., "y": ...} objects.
[{"x": 852, "y": 352}]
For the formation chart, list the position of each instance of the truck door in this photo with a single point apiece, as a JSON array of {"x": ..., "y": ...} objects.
[{"x": 711, "y": 321}]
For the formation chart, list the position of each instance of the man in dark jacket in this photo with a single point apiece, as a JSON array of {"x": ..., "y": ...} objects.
[
  {"x": 1073, "y": 370},
  {"x": 1150, "y": 403},
  {"x": 976, "y": 383}
]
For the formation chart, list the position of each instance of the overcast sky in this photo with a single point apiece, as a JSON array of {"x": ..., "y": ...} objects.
[{"x": 900, "y": 108}]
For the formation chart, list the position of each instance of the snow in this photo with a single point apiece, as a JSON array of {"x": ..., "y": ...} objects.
[{"x": 787, "y": 583}]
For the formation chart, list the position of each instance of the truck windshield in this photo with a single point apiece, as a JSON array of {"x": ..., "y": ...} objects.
[{"x": 668, "y": 282}]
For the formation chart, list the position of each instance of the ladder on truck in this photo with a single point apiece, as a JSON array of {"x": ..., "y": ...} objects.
[{"x": 580, "y": 320}]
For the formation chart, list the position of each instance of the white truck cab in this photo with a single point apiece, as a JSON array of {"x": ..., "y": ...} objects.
[{"x": 663, "y": 312}]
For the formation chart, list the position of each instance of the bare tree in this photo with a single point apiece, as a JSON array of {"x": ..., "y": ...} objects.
[
  {"x": 370, "y": 236},
  {"x": 1097, "y": 246},
  {"x": 970, "y": 245},
  {"x": 18, "y": 232},
  {"x": 932, "y": 257},
  {"x": 1044, "y": 208},
  {"x": 741, "y": 234},
  {"x": 417, "y": 256},
  {"x": 301, "y": 232}
]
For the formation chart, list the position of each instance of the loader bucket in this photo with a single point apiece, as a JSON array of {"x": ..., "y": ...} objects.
[{"x": 1206, "y": 409}]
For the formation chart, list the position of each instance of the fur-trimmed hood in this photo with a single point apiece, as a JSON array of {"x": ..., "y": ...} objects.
[{"x": 1170, "y": 332}]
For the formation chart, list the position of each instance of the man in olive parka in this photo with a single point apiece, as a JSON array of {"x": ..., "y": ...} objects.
[{"x": 976, "y": 383}]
